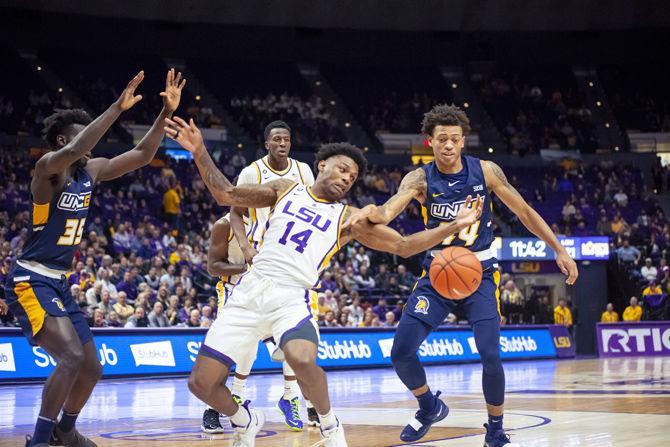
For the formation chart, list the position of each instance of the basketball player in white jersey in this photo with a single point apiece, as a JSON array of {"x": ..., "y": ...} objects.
[
  {"x": 226, "y": 260},
  {"x": 275, "y": 165},
  {"x": 303, "y": 232}
]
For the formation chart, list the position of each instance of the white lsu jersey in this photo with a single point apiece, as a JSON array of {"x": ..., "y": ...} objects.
[
  {"x": 301, "y": 235},
  {"x": 260, "y": 172}
]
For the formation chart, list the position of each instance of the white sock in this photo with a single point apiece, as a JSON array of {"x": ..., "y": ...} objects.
[
  {"x": 241, "y": 418},
  {"x": 291, "y": 389},
  {"x": 328, "y": 420},
  {"x": 288, "y": 371},
  {"x": 308, "y": 403},
  {"x": 238, "y": 387}
]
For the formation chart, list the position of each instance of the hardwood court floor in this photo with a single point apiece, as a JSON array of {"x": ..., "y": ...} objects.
[{"x": 592, "y": 402}]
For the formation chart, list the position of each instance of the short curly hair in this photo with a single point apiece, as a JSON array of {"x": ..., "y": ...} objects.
[
  {"x": 56, "y": 123},
  {"x": 445, "y": 115},
  {"x": 329, "y": 150}
]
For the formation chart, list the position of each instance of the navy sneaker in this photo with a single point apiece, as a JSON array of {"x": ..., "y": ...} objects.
[
  {"x": 211, "y": 422},
  {"x": 418, "y": 427},
  {"x": 497, "y": 438},
  {"x": 291, "y": 411},
  {"x": 313, "y": 417}
]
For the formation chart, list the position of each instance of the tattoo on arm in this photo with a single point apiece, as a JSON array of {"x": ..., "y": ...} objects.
[
  {"x": 413, "y": 186},
  {"x": 503, "y": 179},
  {"x": 216, "y": 182}
]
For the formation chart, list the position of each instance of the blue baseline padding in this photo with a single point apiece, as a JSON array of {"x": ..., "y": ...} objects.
[{"x": 140, "y": 352}]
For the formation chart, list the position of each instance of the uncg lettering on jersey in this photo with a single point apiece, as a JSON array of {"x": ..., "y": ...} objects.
[
  {"x": 74, "y": 202},
  {"x": 446, "y": 195}
]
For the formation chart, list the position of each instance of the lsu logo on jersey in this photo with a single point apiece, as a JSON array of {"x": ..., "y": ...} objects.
[
  {"x": 422, "y": 305},
  {"x": 59, "y": 303},
  {"x": 74, "y": 202}
]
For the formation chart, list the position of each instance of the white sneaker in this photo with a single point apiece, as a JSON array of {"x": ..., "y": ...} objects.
[
  {"x": 334, "y": 437},
  {"x": 246, "y": 437}
]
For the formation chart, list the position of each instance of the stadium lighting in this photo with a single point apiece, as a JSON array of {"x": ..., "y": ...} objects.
[
  {"x": 60, "y": 89},
  {"x": 490, "y": 150},
  {"x": 318, "y": 83},
  {"x": 240, "y": 145},
  {"x": 454, "y": 85},
  {"x": 616, "y": 148},
  {"x": 39, "y": 68},
  {"x": 347, "y": 124},
  {"x": 197, "y": 97},
  {"x": 607, "y": 125},
  {"x": 332, "y": 103},
  {"x": 590, "y": 83},
  {"x": 598, "y": 103},
  {"x": 466, "y": 105}
]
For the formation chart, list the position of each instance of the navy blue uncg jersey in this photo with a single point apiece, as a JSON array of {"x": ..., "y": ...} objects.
[
  {"x": 58, "y": 225},
  {"x": 446, "y": 194}
]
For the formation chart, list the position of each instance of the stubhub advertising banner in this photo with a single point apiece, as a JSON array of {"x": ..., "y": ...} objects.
[{"x": 136, "y": 352}]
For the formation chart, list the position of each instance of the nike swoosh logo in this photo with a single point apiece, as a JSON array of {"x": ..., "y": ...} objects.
[
  {"x": 437, "y": 195},
  {"x": 452, "y": 184}
]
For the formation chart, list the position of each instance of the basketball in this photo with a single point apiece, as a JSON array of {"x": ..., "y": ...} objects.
[{"x": 455, "y": 273}]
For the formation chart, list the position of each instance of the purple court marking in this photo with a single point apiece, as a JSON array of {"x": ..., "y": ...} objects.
[
  {"x": 186, "y": 433},
  {"x": 598, "y": 392},
  {"x": 543, "y": 421}
]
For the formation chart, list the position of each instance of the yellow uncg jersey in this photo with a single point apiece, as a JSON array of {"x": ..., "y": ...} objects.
[
  {"x": 609, "y": 317},
  {"x": 632, "y": 313}
]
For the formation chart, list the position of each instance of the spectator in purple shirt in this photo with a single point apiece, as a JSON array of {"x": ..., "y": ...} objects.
[
  {"x": 380, "y": 309},
  {"x": 128, "y": 286},
  {"x": 327, "y": 282}
]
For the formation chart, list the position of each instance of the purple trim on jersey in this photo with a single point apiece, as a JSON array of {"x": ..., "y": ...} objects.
[
  {"x": 223, "y": 358},
  {"x": 237, "y": 283},
  {"x": 295, "y": 328}
]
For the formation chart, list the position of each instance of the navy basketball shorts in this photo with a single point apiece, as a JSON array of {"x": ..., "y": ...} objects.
[
  {"x": 32, "y": 296},
  {"x": 426, "y": 304}
]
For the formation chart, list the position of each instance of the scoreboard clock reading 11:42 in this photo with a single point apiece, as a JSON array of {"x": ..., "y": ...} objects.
[{"x": 594, "y": 248}]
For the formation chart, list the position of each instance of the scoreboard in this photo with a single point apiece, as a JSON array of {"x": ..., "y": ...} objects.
[{"x": 587, "y": 248}]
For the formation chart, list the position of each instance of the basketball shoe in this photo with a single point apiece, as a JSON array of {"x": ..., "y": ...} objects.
[
  {"x": 291, "y": 411},
  {"x": 70, "y": 439},
  {"x": 333, "y": 437},
  {"x": 420, "y": 424},
  {"x": 313, "y": 417},
  {"x": 497, "y": 438},
  {"x": 211, "y": 422},
  {"x": 246, "y": 436}
]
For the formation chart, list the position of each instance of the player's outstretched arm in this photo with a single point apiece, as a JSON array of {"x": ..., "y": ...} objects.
[
  {"x": 57, "y": 161},
  {"x": 217, "y": 256},
  {"x": 141, "y": 155},
  {"x": 381, "y": 237},
  {"x": 497, "y": 182},
  {"x": 412, "y": 186},
  {"x": 250, "y": 196}
]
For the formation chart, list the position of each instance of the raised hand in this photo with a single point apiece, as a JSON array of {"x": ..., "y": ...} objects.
[
  {"x": 173, "y": 88},
  {"x": 469, "y": 213},
  {"x": 3, "y": 307},
  {"x": 186, "y": 134},
  {"x": 128, "y": 98}
]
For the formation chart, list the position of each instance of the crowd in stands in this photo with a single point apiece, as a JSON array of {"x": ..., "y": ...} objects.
[
  {"x": 312, "y": 123},
  {"x": 537, "y": 110},
  {"x": 134, "y": 256}
]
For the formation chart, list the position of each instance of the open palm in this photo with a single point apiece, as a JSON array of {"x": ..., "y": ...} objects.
[
  {"x": 128, "y": 97},
  {"x": 173, "y": 87}
]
